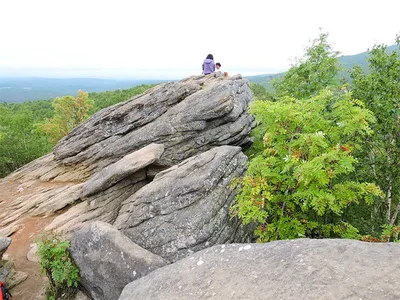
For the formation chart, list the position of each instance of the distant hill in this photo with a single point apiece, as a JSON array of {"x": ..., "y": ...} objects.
[
  {"x": 14, "y": 90},
  {"x": 347, "y": 61}
]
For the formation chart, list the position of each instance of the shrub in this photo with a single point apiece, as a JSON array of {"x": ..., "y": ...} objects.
[
  {"x": 57, "y": 264},
  {"x": 298, "y": 183}
]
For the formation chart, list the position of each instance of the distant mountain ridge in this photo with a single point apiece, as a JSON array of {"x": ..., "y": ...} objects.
[
  {"x": 347, "y": 61},
  {"x": 13, "y": 90}
]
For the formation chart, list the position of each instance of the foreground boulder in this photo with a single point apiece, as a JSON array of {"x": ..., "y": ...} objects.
[
  {"x": 108, "y": 260},
  {"x": 186, "y": 208},
  {"x": 297, "y": 269}
]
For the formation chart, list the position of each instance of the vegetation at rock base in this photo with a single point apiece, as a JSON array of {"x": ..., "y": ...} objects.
[
  {"x": 57, "y": 264},
  {"x": 21, "y": 139},
  {"x": 325, "y": 161}
]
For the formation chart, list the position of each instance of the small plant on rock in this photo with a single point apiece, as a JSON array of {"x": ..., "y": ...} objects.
[{"x": 57, "y": 264}]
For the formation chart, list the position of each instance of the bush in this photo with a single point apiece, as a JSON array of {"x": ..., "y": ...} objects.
[
  {"x": 57, "y": 264},
  {"x": 298, "y": 180}
]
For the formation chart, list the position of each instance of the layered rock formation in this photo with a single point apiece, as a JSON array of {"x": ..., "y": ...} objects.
[
  {"x": 187, "y": 117},
  {"x": 158, "y": 166},
  {"x": 107, "y": 159},
  {"x": 186, "y": 208},
  {"x": 297, "y": 269}
]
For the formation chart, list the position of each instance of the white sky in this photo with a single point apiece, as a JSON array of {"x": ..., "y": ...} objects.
[{"x": 170, "y": 38}]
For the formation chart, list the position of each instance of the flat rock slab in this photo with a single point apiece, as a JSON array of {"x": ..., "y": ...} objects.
[
  {"x": 296, "y": 269},
  {"x": 129, "y": 164}
]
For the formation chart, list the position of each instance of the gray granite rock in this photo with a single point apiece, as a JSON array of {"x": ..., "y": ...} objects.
[
  {"x": 108, "y": 158},
  {"x": 187, "y": 117},
  {"x": 126, "y": 166},
  {"x": 186, "y": 208},
  {"x": 108, "y": 260},
  {"x": 291, "y": 270}
]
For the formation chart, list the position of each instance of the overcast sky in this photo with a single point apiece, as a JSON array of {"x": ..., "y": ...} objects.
[{"x": 170, "y": 38}]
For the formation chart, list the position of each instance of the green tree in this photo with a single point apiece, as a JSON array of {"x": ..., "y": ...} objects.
[
  {"x": 69, "y": 112},
  {"x": 20, "y": 141},
  {"x": 297, "y": 184},
  {"x": 260, "y": 92},
  {"x": 379, "y": 156},
  {"x": 317, "y": 70}
]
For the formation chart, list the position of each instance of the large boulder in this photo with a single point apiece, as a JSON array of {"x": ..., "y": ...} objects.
[
  {"x": 108, "y": 260},
  {"x": 186, "y": 208},
  {"x": 297, "y": 269}
]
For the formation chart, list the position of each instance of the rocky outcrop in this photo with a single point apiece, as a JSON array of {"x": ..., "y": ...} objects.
[
  {"x": 188, "y": 117},
  {"x": 111, "y": 156},
  {"x": 185, "y": 208},
  {"x": 159, "y": 166},
  {"x": 297, "y": 269},
  {"x": 108, "y": 260}
]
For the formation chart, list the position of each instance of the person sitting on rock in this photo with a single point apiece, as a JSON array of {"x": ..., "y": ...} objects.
[
  {"x": 208, "y": 65},
  {"x": 218, "y": 69},
  {"x": 4, "y": 292}
]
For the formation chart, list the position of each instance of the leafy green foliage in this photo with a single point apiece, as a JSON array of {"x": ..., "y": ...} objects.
[
  {"x": 20, "y": 141},
  {"x": 261, "y": 93},
  {"x": 307, "y": 174},
  {"x": 390, "y": 233},
  {"x": 379, "y": 155},
  {"x": 315, "y": 71},
  {"x": 69, "y": 113},
  {"x": 58, "y": 266},
  {"x": 296, "y": 184}
]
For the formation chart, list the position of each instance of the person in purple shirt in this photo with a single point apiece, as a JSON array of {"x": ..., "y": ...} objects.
[{"x": 208, "y": 65}]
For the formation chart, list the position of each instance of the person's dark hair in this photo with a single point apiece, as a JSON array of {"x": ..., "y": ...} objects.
[
  {"x": 218, "y": 64},
  {"x": 210, "y": 56}
]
